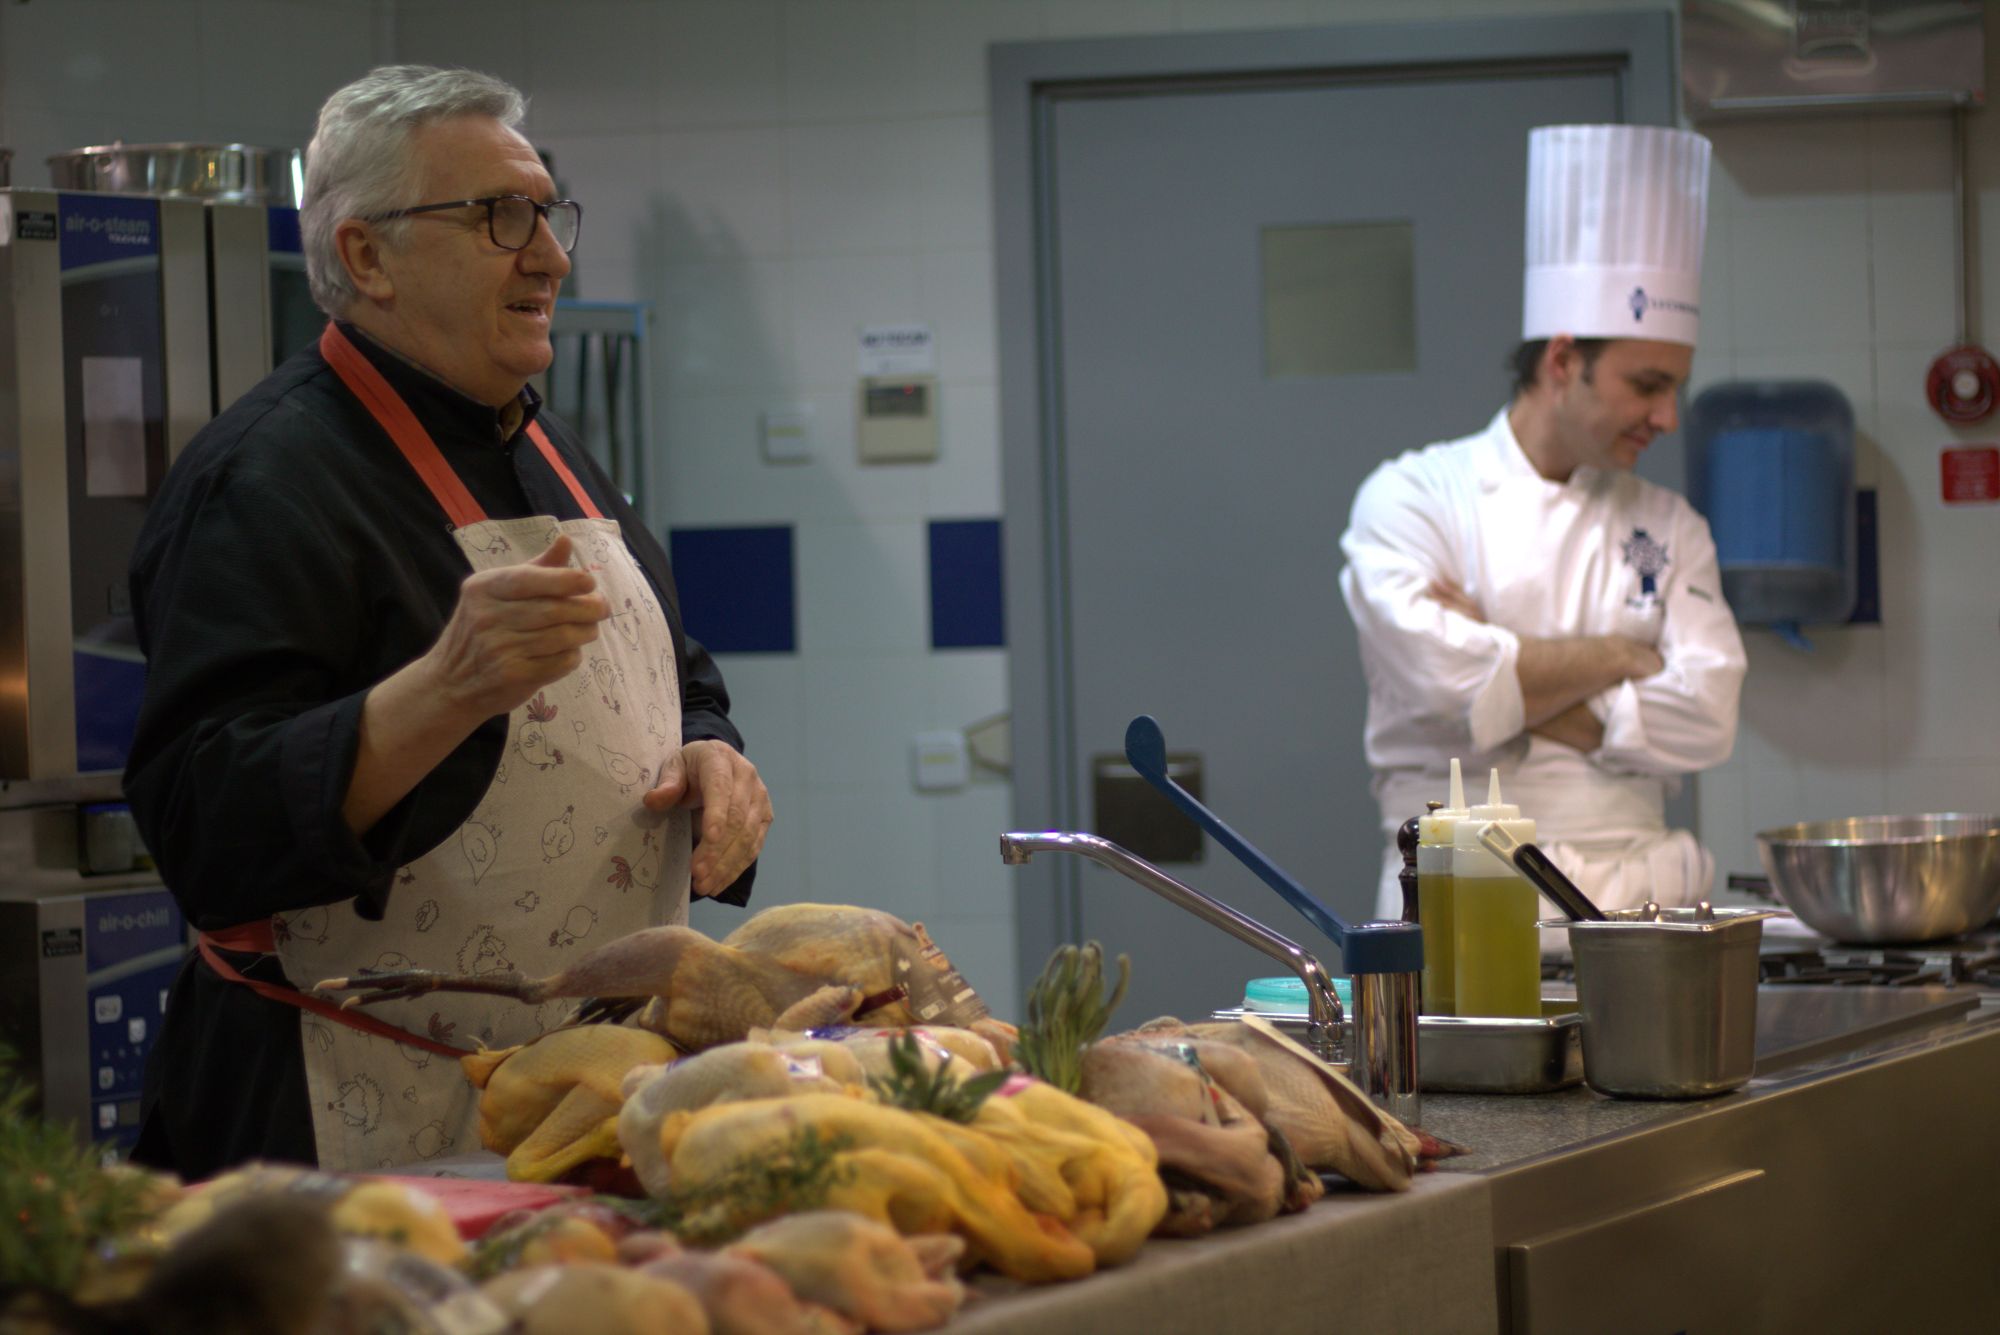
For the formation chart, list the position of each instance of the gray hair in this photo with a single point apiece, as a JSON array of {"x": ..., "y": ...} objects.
[{"x": 360, "y": 162}]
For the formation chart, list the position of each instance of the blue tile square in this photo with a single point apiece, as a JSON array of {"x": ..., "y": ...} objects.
[
  {"x": 967, "y": 607},
  {"x": 738, "y": 587}
]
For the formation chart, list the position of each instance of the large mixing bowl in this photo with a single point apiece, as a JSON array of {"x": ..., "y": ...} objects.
[{"x": 1881, "y": 879}]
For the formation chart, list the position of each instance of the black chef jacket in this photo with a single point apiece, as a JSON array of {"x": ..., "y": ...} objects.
[{"x": 292, "y": 560}]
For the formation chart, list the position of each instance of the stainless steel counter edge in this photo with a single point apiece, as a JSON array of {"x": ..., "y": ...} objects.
[{"x": 1852, "y": 1193}]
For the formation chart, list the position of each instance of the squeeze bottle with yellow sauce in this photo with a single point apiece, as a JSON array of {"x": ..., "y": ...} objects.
[
  {"x": 1496, "y": 950},
  {"x": 1435, "y": 896}
]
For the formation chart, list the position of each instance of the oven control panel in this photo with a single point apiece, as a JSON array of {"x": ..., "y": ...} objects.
[{"x": 84, "y": 978}]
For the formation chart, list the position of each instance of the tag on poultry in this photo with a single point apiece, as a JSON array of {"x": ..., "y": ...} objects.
[{"x": 939, "y": 993}]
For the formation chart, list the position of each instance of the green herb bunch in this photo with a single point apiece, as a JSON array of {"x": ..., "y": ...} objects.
[
  {"x": 787, "y": 1179},
  {"x": 57, "y": 1200},
  {"x": 913, "y": 1085},
  {"x": 1067, "y": 1010}
]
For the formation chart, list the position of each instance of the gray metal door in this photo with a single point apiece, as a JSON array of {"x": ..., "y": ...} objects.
[{"x": 1194, "y": 491}]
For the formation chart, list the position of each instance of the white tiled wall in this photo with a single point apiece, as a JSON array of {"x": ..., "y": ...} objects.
[
  {"x": 774, "y": 173},
  {"x": 81, "y": 72}
]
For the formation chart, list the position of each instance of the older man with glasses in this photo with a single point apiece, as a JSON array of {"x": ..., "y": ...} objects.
[{"x": 418, "y": 694}]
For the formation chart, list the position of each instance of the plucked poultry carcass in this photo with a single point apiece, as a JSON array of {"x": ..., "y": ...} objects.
[
  {"x": 552, "y": 1105},
  {"x": 727, "y": 1074},
  {"x": 919, "y": 1174},
  {"x": 860, "y": 1268},
  {"x": 1328, "y": 1123},
  {"x": 1224, "y": 1166},
  {"x": 746, "y": 1297},
  {"x": 796, "y": 966}
]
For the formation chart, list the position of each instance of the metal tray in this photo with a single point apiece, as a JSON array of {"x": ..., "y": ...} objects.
[{"x": 1465, "y": 1054}]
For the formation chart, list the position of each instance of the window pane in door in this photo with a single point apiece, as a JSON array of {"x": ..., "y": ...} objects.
[{"x": 1339, "y": 299}]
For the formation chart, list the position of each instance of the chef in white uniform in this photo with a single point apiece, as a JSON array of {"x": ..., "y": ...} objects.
[{"x": 1523, "y": 600}]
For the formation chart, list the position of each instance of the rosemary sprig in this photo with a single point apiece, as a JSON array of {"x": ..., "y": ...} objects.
[
  {"x": 57, "y": 1200},
  {"x": 913, "y": 1085},
  {"x": 785, "y": 1180},
  {"x": 1067, "y": 1010}
]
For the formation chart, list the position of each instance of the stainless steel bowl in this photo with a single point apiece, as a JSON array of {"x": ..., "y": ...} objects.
[
  {"x": 1881, "y": 879},
  {"x": 226, "y": 173}
]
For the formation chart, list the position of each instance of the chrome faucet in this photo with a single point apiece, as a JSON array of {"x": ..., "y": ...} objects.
[{"x": 1321, "y": 1000}]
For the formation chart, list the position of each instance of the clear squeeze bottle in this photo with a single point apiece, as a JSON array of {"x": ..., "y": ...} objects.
[
  {"x": 1436, "y": 894},
  {"x": 1496, "y": 949}
]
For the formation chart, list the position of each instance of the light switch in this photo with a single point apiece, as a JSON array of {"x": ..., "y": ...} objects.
[
  {"x": 787, "y": 435},
  {"x": 939, "y": 761}
]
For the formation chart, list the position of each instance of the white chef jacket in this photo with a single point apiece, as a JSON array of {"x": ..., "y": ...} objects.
[{"x": 1603, "y": 553}]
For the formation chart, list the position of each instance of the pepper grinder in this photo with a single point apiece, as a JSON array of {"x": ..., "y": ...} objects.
[{"x": 1406, "y": 843}]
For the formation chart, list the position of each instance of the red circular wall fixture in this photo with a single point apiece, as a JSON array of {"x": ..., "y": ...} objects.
[{"x": 1964, "y": 384}]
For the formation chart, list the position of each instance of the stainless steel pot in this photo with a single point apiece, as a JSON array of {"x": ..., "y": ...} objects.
[
  {"x": 228, "y": 173},
  {"x": 1669, "y": 1000},
  {"x": 1882, "y": 879}
]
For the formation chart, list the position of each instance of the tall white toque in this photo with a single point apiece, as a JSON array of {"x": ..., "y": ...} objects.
[{"x": 1615, "y": 221}]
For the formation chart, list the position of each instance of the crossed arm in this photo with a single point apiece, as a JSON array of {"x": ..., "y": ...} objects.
[{"x": 1558, "y": 676}]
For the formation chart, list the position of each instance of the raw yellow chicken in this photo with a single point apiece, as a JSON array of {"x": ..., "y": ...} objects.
[
  {"x": 728, "y": 1074},
  {"x": 552, "y": 1105},
  {"x": 1096, "y": 1172},
  {"x": 356, "y": 1208},
  {"x": 897, "y": 1167},
  {"x": 861, "y": 1268},
  {"x": 590, "y": 1296},
  {"x": 746, "y": 1297},
  {"x": 936, "y": 1045}
]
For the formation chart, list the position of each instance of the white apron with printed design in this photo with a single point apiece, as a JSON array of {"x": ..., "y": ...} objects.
[{"x": 560, "y": 856}]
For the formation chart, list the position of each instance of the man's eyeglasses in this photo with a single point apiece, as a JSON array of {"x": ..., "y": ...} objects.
[{"x": 510, "y": 219}]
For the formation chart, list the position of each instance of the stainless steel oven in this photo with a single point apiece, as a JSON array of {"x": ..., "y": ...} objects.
[{"x": 130, "y": 313}]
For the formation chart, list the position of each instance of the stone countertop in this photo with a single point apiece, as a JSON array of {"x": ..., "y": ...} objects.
[
  {"x": 1800, "y": 1030},
  {"x": 1420, "y": 1260}
]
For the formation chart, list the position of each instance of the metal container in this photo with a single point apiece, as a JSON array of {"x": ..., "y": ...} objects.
[
  {"x": 1474, "y": 1054},
  {"x": 1877, "y": 879},
  {"x": 231, "y": 173},
  {"x": 1668, "y": 999},
  {"x": 1468, "y": 1054}
]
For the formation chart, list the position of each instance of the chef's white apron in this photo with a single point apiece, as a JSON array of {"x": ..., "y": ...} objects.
[
  {"x": 1611, "y": 838},
  {"x": 559, "y": 856}
]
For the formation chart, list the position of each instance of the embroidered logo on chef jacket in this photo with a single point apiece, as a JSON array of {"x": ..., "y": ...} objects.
[{"x": 1647, "y": 555}]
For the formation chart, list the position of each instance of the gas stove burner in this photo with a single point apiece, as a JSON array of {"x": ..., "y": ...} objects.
[{"x": 1972, "y": 961}]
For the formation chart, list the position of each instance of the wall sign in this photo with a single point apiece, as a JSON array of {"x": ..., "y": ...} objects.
[
  {"x": 897, "y": 350},
  {"x": 1969, "y": 474}
]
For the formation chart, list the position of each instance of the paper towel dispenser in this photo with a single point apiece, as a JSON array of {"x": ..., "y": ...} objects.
[{"x": 1771, "y": 466}]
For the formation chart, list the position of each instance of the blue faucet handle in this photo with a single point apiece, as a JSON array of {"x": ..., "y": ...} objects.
[{"x": 1365, "y": 948}]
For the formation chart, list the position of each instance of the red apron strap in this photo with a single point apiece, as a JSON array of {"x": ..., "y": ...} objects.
[
  {"x": 290, "y": 996},
  {"x": 548, "y": 449},
  {"x": 379, "y": 397}
]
